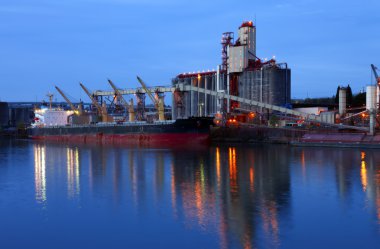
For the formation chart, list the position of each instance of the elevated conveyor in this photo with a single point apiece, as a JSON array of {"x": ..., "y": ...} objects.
[{"x": 222, "y": 95}]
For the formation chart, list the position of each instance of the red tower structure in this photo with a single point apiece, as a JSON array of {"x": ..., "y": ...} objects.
[{"x": 227, "y": 40}]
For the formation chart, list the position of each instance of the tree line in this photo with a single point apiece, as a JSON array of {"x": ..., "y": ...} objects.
[{"x": 353, "y": 100}]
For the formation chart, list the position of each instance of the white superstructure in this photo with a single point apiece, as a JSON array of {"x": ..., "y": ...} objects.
[{"x": 51, "y": 117}]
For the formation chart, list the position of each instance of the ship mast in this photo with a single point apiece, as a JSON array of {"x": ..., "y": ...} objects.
[{"x": 50, "y": 95}]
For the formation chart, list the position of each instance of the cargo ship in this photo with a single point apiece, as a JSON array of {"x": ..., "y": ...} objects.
[
  {"x": 77, "y": 125},
  {"x": 180, "y": 132}
]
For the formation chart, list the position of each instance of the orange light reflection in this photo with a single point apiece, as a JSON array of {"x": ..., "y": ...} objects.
[
  {"x": 232, "y": 169},
  {"x": 252, "y": 178},
  {"x": 362, "y": 155},
  {"x": 303, "y": 163},
  {"x": 218, "y": 166},
  {"x": 363, "y": 176}
]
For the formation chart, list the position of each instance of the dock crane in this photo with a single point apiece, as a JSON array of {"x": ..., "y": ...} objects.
[
  {"x": 102, "y": 110},
  {"x": 374, "y": 69},
  {"x": 158, "y": 103},
  {"x": 127, "y": 106},
  {"x": 77, "y": 111}
]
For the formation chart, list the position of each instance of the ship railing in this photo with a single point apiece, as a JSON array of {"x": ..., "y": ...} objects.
[
  {"x": 134, "y": 123},
  {"x": 164, "y": 121},
  {"x": 121, "y": 124},
  {"x": 109, "y": 124}
]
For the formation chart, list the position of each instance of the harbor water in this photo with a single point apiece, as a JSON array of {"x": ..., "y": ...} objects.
[{"x": 258, "y": 196}]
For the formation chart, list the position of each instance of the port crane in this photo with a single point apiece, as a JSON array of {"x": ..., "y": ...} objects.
[
  {"x": 374, "y": 69},
  {"x": 102, "y": 110},
  {"x": 158, "y": 103},
  {"x": 77, "y": 111},
  {"x": 127, "y": 106}
]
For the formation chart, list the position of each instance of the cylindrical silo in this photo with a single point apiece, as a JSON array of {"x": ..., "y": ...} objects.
[
  {"x": 269, "y": 85},
  {"x": 278, "y": 86},
  {"x": 371, "y": 97},
  {"x": 342, "y": 101}
]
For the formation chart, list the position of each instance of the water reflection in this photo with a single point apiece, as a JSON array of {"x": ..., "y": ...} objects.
[
  {"x": 352, "y": 168},
  {"x": 73, "y": 184},
  {"x": 40, "y": 172},
  {"x": 370, "y": 179},
  {"x": 363, "y": 172},
  {"x": 243, "y": 195}
]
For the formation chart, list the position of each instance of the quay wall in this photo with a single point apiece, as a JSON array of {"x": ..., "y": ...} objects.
[{"x": 256, "y": 135}]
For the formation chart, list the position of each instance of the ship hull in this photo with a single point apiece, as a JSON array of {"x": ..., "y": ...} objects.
[
  {"x": 180, "y": 133},
  {"x": 172, "y": 139}
]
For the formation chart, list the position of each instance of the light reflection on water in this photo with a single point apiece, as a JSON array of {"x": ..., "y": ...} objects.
[
  {"x": 229, "y": 206},
  {"x": 225, "y": 197},
  {"x": 73, "y": 185},
  {"x": 40, "y": 173}
]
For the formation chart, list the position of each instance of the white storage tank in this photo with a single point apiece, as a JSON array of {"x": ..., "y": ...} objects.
[
  {"x": 342, "y": 101},
  {"x": 371, "y": 97},
  {"x": 328, "y": 117}
]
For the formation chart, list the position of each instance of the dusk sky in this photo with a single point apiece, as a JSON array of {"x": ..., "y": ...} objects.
[{"x": 46, "y": 42}]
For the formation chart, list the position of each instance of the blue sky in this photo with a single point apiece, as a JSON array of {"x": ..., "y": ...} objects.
[{"x": 47, "y": 42}]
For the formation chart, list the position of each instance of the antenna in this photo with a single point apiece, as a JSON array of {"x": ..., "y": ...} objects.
[{"x": 50, "y": 95}]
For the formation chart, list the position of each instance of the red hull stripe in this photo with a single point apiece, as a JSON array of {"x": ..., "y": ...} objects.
[{"x": 138, "y": 139}]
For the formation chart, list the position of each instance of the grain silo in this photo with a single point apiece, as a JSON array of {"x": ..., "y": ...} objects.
[{"x": 241, "y": 74}]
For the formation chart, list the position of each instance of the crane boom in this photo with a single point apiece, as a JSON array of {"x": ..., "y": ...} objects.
[
  {"x": 128, "y": 106},
  {"x": 118, "y": 94},
  {"x": 67, "y": 100},
  {"x": 94, "y": 102},
  {"x": 158, "y": 103},
  {"x": 147, "y": 91},
  {"x": 375, "y": 73}
]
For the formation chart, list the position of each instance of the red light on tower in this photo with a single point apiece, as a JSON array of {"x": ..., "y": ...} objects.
[{"x": 247, "y": 24}]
